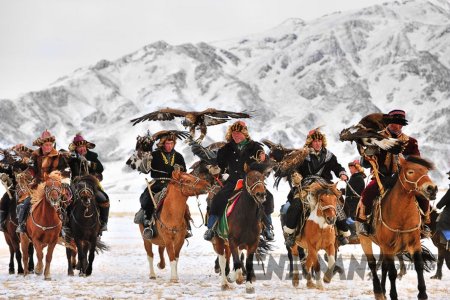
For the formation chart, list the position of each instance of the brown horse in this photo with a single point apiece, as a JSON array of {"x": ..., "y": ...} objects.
[
  {"x": 170, "y": 223},
  {"x": 244, "y": 229},
  {"x": 43, "y": 225},
  {"x": 13, "y": 241},
  {"x": 397, "y": 225},
  {"x": 318, "y": 233}
]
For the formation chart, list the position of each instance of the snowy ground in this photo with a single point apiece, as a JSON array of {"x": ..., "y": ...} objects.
[{"x": 123, "y": 273}]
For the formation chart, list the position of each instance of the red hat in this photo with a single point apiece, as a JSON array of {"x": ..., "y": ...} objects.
[
  {"x": 353, "y": 163},
  {"x": 78, "y": 141},
  {"x": 399, "y": 117},
  {"x": 45, "y": 137}
]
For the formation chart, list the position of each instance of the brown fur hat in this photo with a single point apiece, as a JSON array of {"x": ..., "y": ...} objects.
[
  {"x": 239, "y": 126},
  {"x": 167, "y": 137},
  {"x": 45, "y": 137},
  {"x": 316, "y": 134}
]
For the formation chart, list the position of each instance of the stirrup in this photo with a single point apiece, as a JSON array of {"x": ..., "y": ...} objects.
[
  {"x": 104, "y": 227},
  {"x": 209, "y": 234},
  {"x": 268, "y": 234},
  {"x": 188, "y": 234},
  {"x": 20, "y": 228},
  {"x": 425, "y": 232},
  {"x": 148, "y": 233},
  {"x": 342, "y": 240},
  {"x": 289, "y": 240},
  {"x": 364, "y": 229}
]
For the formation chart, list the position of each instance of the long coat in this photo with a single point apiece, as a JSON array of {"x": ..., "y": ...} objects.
[
  {"x": 95, "y": 167},
  {"x": 353, "y": 191},
  {"x": 443, "y": 222},
  {"x": 163, "y": 165},
  {"x": 321, "y": 165}
]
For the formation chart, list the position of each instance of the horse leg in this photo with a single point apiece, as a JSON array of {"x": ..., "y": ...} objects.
[
  {"x": 222, "y": 263},
  {"x": 173, "y": 262},
  {"x": 19, "y": 260},
  {"x": 31, "y": 259},
  {"x": 81, "y": 257},
  {"x": 392, "y": 277},
  {"x": 291, "y": 263},
  {"x": 162, "y": 261},
  {"x": 48, "y": 260},
  {"x": 11, "y": 259},
  {"x": 249, "y": 288},
  {"x": 440, "y": 262},
  {"x": 69, "y": 262},
  {"x": 40, "y": 257},
  {"x": 217, "y": 265},
  {"x": 24, "y": 245},
  {"x": 366, "y": 244},
  {"x": 331, "y": 265},
  {"x": 236, "y": 274},
  {"x": 402, "y": 268},
  {"x": 93, "y": 244},
  {"x": 384, "y": 270},
  {"x": 418, "y": 264},
  {"x": 294, "y": 262}
]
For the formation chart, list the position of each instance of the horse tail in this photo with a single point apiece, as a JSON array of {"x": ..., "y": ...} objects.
[
  {"x": 101, "y": 247},
  {"x": 427, "y": 256}
]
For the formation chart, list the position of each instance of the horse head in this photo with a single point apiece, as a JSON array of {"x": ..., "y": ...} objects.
[
  {"x": 190, "y": 185},
  {"x": 414, "y": 177},
  {"x": 254, "y": 181},
  {"x": 85, "y": 188},
  {"x": 53, "y": 189},
  {"x": 325, "y": 196}
]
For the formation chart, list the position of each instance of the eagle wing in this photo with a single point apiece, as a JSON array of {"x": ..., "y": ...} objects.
[
  {"x": 210, "y": 121},
  {"x": 223, "y": 114},
  {"x": 165, "y": 114},
  {"x": 178, "y": 133}
]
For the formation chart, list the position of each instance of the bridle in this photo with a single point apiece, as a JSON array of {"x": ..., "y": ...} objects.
[
  {"x": 251, "y": 187},
  {"x": 414, "y": 183}
]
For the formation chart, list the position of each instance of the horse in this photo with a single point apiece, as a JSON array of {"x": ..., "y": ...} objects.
[
  {"x": 84, "y": 224},
  {"x": 43, "y": 225},
  {"x": 13, "y": 241},
  {"x": 397, "y": 225},
  {"x": 200, "y": 169},
  {"x": 170, "y": 223},
  {"x": 443, "y": 250},
  {"x": 244, "y": 229},
  {"x": 318, "y": 233}
]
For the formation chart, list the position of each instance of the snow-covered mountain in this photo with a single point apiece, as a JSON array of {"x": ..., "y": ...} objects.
[{"x": 328, "y": 72}]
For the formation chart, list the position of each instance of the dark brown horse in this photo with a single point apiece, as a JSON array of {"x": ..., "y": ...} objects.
[
  {"x": 397, "y": 225},
  {"x": 171, "y": 223},
  {"x": 13, "y": 241},
  {"x": 244, "y": 229},
  {"x": 84, "y": 224},
  {"x": 443, "y": 250},
  {"x": 43, "y": 225}
]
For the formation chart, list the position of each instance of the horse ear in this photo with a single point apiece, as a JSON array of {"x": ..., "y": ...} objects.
[
  {"x": 176, "y": 173},
  {"x": 401, "y": 159}
]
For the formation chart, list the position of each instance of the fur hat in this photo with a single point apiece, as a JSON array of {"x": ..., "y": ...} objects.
[
  {"x": 400, "y": 115},
  {"x": 78, "y": 141},
  {"x": 167, "y": 137},
  {"x": 354, "y": 163},
  {"x": 45, "y": 137},
  {"x": 238, "y": 126},
  {"x": 316, "y": 134}
]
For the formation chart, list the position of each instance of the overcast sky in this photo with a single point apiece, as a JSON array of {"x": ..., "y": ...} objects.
[{"x": 41, "y": 40}]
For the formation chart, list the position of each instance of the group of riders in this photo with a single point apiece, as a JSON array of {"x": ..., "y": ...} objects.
[
  {"x": 233, "y": 158},
  {"x": 37, "y": 165}
]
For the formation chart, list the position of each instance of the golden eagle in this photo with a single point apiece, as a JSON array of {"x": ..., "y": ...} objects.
[
  {"x": 369, "y": 132},
  {"x": 193, "y": 119}
]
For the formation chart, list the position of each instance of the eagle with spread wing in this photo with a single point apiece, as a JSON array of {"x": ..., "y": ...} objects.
[
  {"x": 192, "y": 119},
  {"x": 141, "y": 158},
  {"x": 277, "y": 151},
  {"x": 368, "y": 133}
]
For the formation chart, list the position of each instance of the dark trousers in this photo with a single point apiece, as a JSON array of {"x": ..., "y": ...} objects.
[
  {"x": 4, "y": 203},
  {"x": 146, "y": 201},
  {"x": 369, "y": 194}
]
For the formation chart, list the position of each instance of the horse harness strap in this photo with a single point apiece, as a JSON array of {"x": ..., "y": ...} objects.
[
  {"x": 44, "y": 228},
  {"x": 416, "y": 188}
]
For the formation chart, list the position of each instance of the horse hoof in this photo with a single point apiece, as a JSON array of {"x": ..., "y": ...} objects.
[
  {"x": 48, "y": 278},
  {"x": 82, "y": 275},
  {"x": 225, "y": 287},
  {"x": 152, "y": 277},
  {"x": 161, "y": 266},
  {"x": 175, "y": 280},
  {"x": 310, "y": 285},
  {"x": 38, "y": 273},
  {"x": 436, "y": 277},
  {"x": 12, "y": 272},
  {"x": 240, "y": 281},
  {"x": 70, "y": 273},
  {"x": 250, "y": 290}
]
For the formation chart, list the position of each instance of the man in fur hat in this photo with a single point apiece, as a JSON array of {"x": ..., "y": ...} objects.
[
  {"x": 82, "y": 157},
  {"x": 320, "y": 162},
  {"x": 165, "y": 158},
  {"x": 388, "y": 166},
  {"x": 240, "y": 150},
  {"x": 44, "y": 160}
]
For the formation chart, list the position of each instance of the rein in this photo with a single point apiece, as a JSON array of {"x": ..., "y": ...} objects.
[
  {"x": 44, "y": 228},
  {"x": 252, "y": 187},
  {"x": 416, "y": 187}
]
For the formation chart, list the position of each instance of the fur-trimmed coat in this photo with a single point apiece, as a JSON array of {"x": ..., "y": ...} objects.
[
  {"x": 43, "y": 165},
  {"x": 321, "y": 165},
  {"x": 231, "y": 159}
]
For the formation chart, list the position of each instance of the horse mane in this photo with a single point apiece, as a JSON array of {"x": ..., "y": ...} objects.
[{"x": 421, "y": 161}]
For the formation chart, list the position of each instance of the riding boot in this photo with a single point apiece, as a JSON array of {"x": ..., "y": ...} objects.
[
  {"x": 3, "y": 220},
  {"x": 426, "y": 231},
  {"x": 66, "y": 233},
  {"x": 289, "y": 236},
  {"x": 362, "y": 217},
  {"x": 187, "y": 217},
  {"x": 104, "y": 212},
  {"x": 22, "y": 214},
  {"x": 212, "y": 221}
]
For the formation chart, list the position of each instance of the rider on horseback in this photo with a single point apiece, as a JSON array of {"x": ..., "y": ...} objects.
[
  {"x": 320, "y": 162},
  {"x": 43, "y": 161},
  {"x": 443, "y": 221},
  {"x": 83, "y": 161},
  {"x": 388, "y": 167},
  {"x": 354, "y": 188},
  {"x": 239, "y": 151},
  {"x": 164, "y": 160},
  {"x": 6, "y": 178}
]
